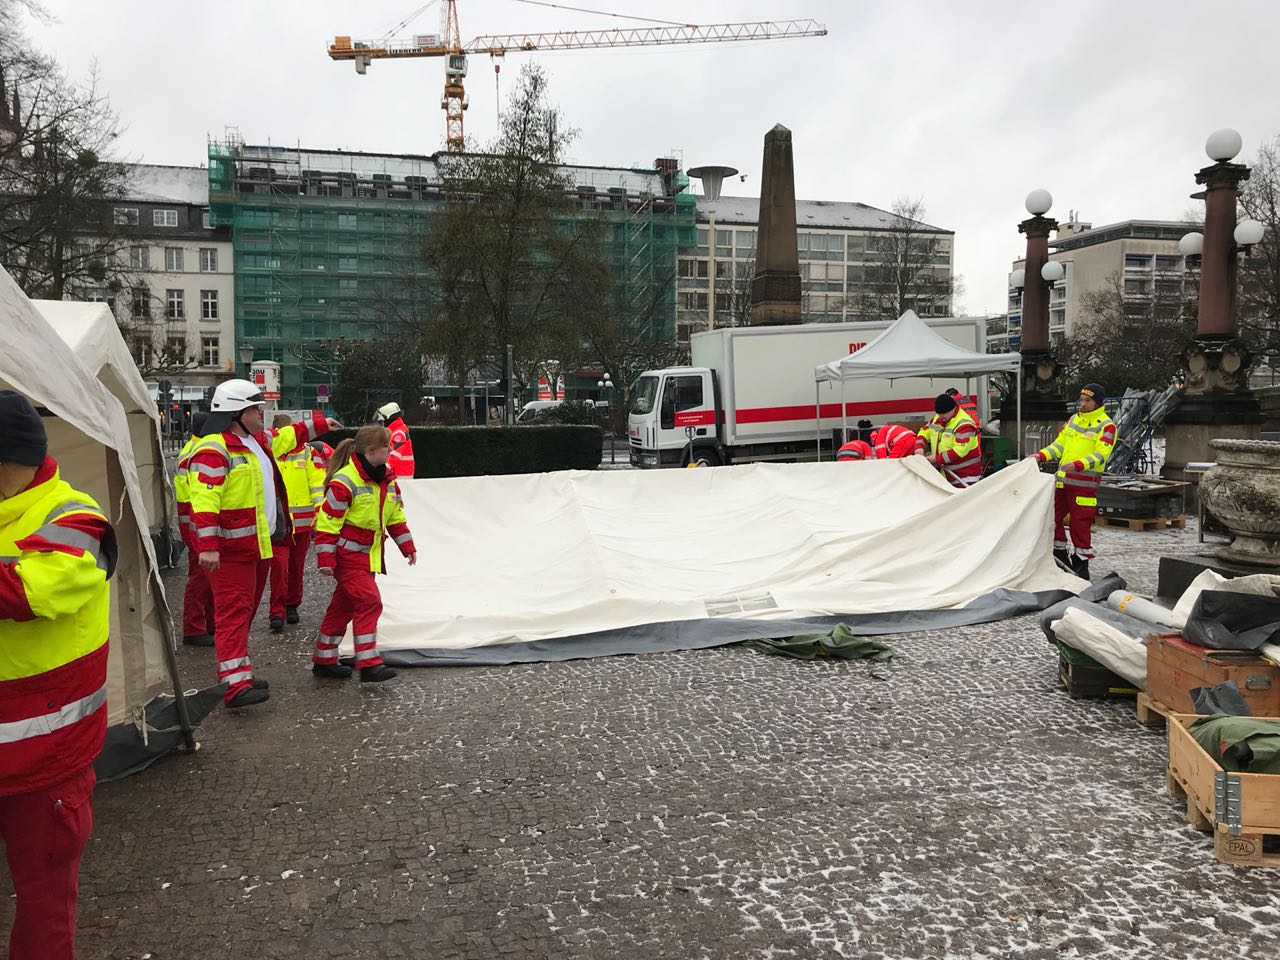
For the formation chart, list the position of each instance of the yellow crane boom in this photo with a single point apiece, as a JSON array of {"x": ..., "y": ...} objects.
[{"x": 449, "y": 45}]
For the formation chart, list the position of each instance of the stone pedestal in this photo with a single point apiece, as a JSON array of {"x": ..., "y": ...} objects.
[
  {"x": 775, "y": 289},
  {"x": 1043, "y": 409},
  {"x": 1243, "y": 491}
]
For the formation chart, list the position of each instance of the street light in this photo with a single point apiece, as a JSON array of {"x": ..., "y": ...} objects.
[
  {"x": 1192, "y": 244},
  {"x": 246, "y": 356},
  {"x": 1039, "y": 202},
  {"x": 1018, "y": 279},
  {"x": 1249, "y": 232},
  {"x": 603, "y": 385},
  {"x": 712, "y": 178},
  {"x": 1052, "y": 271}
]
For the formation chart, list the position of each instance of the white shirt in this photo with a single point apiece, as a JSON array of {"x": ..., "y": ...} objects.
[{"x": 268, "y": 482}]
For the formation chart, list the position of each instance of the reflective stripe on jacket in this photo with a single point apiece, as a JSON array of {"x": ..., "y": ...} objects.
[
  {"x": 304, "y": 485},
  {"x": 957, "y": 446},
  {"x": 57, "y": 552},
  {"x": 227, "y": 497},
  {"x": 357, "y": 516},
  {"x": 856, "y": 450},
  {"x": 401, "y": 450},
  {"x": 1082, "y": 448},
  {"x": 893, "y": 442},
  {"x": 182, "y": 489}
]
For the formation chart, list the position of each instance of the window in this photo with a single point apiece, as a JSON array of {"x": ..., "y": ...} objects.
[
  {"x": 347, "y": 264},
  {"x": 140, "y": 258},
  {"x": 126, "y": 216},
  {"x": 141, "y": 349},
  {"x": 141, "y": 306},
  {"x": 684, "y": 393},
  {"x": 208, "y": 304},
  {"x": 690, "y": 300},
  {"x": 205, "y": 220},
  {"x": 724, "y": 269},
  {"x": 208, "y": 260},
  {"x": 175, "y": 305},
  {"x": 173, "y": 259},
  {"x": 856, "y": 245},
  {"x": 209, "y": 353},
  {"x": 176, "y": 347},
  {"x": 686, "y": 269},
  {"x": 348, "y": 288},
  {"x": 1137, "y": 261},
  {"x": 702, "y": 239},
  {"x": 1168, "y": 263},
  {"x": 745, "y": 239},
  {"x": 346, "y": 221},
  {"x": 164, "y": 218}
]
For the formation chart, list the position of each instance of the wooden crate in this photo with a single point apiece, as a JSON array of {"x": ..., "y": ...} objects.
[
  {"x": 1152, "y": 713},
  {"x": 1175, "y": 667},
  {"x": 1240, "y": 809}
]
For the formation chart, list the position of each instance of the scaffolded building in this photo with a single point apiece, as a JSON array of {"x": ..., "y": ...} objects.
[{"x": 324, "y": 240}]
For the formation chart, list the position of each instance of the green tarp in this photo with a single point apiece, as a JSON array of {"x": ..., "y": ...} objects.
[
  {"x": 838, "y": 642},
  {"x": 1240, "y": 744}
]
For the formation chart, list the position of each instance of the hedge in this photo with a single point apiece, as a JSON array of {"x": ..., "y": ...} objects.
[{"x": 483, "y": 451}]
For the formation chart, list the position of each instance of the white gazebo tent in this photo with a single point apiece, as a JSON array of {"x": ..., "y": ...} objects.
[
  {"x": 910, "y": 348},
  {"x": 90, "y": 437}
]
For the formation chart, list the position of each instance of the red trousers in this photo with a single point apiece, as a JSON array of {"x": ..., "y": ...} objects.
[
  {"x": 197, "y": 600},
  {"x": 1069, "y": 511},
  {"x": 238, "y": 587},
  {"x": 44, "y": 835},
  {"x": 288, "y": 561},
  {"x": 356, "y": 601}
]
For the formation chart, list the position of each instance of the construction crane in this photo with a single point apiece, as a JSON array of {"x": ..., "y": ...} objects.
[{"x": 450, "y": 46}]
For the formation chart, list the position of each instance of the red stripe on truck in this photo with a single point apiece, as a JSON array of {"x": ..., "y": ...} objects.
[{"x": 870, "y": 408}]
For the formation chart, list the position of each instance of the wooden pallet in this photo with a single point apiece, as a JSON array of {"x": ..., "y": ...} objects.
[
  {"x": 1255, "y": 802},
  {"x": 1152, "y": 713},
  {"x": 1154, "y": 523}
]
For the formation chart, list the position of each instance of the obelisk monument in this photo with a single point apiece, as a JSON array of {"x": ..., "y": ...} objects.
[{"x": 775, "y": 289}]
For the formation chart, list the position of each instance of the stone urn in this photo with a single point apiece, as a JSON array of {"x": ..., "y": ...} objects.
[{"x": 1243, "y": 491}]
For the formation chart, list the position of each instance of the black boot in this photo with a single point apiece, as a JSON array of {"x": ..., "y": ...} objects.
[
  {"x": 260, "y": 684},
  {"x": 248, "y": 697},
  {"x": 1080, "y": 567},
  {"x": 199, "y": 640},
  {"x": 376, "y": 674},
  {"x": 334, "y": 671},
  {"x": 290, "y": 614},
  {"x": 1063, "y": 558},
  {"x": 277, "y": 625}
]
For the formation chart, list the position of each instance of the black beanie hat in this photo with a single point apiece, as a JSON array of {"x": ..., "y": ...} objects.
[
  {"x": 22, "y": 436},
  {"x": 944, "y": 403},
  {"x": 1094, "y": 392}
]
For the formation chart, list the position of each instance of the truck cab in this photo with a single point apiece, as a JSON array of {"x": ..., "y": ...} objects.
[{"x": 673, "y": 416}]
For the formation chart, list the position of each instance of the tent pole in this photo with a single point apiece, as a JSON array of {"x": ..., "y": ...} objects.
[
  {"x": 1019, "y": 425},
  {"x": 844, "y": 419},
  {"x": 179, "y": 697},
  {"x": 817, "y": 415}
]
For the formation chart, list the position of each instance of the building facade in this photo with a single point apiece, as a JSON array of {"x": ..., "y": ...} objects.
[
  {"x": 1143, "y": 255},
  {"x": 176, "y": 293},
  {"x": 842, "y": 246},
  {"x": 325, "y": 240}
]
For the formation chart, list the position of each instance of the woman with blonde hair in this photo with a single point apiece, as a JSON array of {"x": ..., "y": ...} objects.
[{"x": 362, "y": 507}]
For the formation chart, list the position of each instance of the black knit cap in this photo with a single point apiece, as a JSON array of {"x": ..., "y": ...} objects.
[
  {"x": 945, "y": 403},
  {"x": 1094, "y": 391},
  {"x": 22, "y": 436}
]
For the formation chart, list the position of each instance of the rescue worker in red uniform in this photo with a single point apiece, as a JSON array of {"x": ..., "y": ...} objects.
[
  {"x": 197, "y": 598},
  {"x": 238, "y": 507},
  {"x": 893, "y": 442},
  {"x": 304, "y": 486},
  {"x": 856, "y": 450},
  {"x": 362, "y": 509},
  {"x": 952, "y": 443},
  {"x": 57, "y": 554},
  {"x": 1082, "y": 449},
  {"x": 401, "y": 460}
]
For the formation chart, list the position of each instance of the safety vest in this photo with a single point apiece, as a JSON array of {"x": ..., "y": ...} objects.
[
  {"x": 856, "y": 450},
  {"x": 893, "y": 442},
  {"x": 401, "y": 461},
  {"x": 182, "y": 489},
  {"x": 1082, "y": 450},
  {"x": 304, "y": 485},
  {"x": 357, "y": 516},
  {"x": 957, "y": 446},
  {"x": 227, "y": 495},
  {"x": 57, "y": 552}
]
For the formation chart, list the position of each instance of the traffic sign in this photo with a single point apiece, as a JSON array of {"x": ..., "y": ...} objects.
[{"x": 322, "y": 390}]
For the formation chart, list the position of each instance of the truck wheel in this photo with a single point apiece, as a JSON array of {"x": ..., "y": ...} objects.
[{"x": 707, "y": 457}]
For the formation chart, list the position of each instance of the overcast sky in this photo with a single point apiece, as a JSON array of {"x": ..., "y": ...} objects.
[{"x": 967, "y": 104}]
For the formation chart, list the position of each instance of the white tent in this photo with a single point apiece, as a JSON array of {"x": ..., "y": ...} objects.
[
  {"x": 93, "y": 335},
  {"x": 89, "y": 436},
  {"x": 909, "y": 348}
]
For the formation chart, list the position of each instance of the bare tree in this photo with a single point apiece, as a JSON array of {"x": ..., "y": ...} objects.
[
  {"x": 58, "y": 234},
  {"x": 1258, "y": 293},
  {"x": 1129, "y": 338},
  {"x": 905, "y": 270}
]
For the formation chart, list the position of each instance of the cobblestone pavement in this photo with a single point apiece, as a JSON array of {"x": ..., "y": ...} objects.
[{"x": 711, "y": 804}]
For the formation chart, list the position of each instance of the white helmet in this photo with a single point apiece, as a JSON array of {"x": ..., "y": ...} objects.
[
  {"x": 232, "y": 396},
  {"x": 389, "y": 410}
]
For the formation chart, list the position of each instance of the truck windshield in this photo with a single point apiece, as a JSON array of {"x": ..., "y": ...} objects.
[{"x": 643, "y": 392}]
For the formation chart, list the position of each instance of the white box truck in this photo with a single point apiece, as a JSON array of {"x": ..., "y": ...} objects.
[{"x": 750, "y": 395}]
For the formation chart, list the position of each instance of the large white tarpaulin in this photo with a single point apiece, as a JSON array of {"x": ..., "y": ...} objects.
[{"x": 524, "y": 559}]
